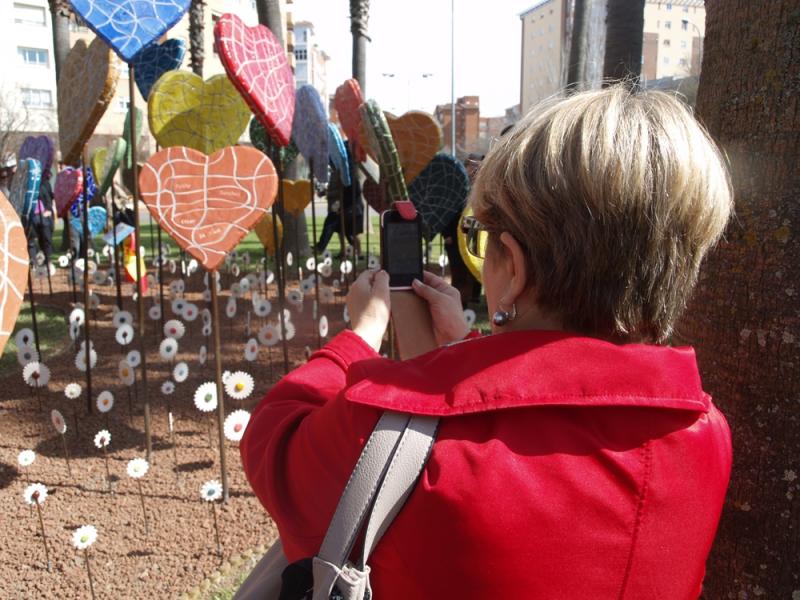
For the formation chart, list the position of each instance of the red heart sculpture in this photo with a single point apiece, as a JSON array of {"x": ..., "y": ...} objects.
[
  {"x": 256, "y": 64},
  {"x": 347, "y": 101},
  {"x": 69, "y": 185},
  {"x": 13, "y": 268},
  {"x": 208, "y": 203}
]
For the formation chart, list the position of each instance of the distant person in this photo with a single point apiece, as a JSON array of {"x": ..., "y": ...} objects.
[
  {"x": 43, "y": 222},
  {"x": 340, "y": 197}
]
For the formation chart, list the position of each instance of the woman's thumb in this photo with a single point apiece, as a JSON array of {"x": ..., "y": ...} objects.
[{"x": 424, "y": 291}]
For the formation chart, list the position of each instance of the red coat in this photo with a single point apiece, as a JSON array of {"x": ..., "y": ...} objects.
[{"x": 564, "y": 467}]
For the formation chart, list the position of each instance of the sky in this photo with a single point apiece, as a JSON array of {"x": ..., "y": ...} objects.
[{"x": 411, "y": 38}]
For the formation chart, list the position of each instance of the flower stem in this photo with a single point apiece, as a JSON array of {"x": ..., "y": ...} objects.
[
  {"x": 216, "y": 528},
  {"x": 144, "y": 510},
  {"x": 89, "y": 572},
  {"x": 66, "y": 454},
  {"x": 44, "y": 538},
  {"x": 108, "y": 475}
]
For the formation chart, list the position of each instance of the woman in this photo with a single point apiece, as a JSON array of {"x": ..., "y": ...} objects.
[{"x": 577, "y": 457}]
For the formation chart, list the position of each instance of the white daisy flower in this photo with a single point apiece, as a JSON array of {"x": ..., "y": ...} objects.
[
  {"x": 268, "y": 335},
  {"x": 346, "y": 267},
  {"x": 326, "y": 255},
  {"x": 307, "y": 286},
  {"x": 168, "y": 348},
  {"x": 325, "y": 270},
  {"x": 469, "y": 316},
  {"x": 311, "y": 264},
  {"x": 122, "y": 317},
  {"x": 178, "y": 305},
  {"x": 323, "y": 326},
  {"x": 269, "y": 277},
  {"x": 244, "y": 284},
  {"x": 126, "y": 373},
  {"x": 24, "y": 338},
  {"x": 239, "y": 385},
  {"x": 295, "y": 298},
  {"x": 36, "y": 374},
  {"x": 346, "y": 314},
  {"x": 177, "y": 286},
  {"x": 102, "y": 439},
  {"x": 180, "y": 372},
  {"x": 174, "y": 329},
  {"x": 236, "y": 290},
  {"x": 173, "y": 266},
  {"x": 26, "y": 458},
  {"x": 105, "y": 401},
  {"x": 167, "y": 388},
  {"x": 443, "y": 260},
  {"x": 289, "y": 259},
  {"x": 26, "y": 355},
  {"x": 225, "y": 376},
  {"x": 205, "y": 397},
  {"x": 206, "y": 315},
  {"x": 235, "y": 270},
  {"x": 57, "y": 419},
  {"x": 290, "y": 330},
  {"x": 230, "y": 308},
  {"x": 77, "y": 316},
  {"x": 190, "y": 312},
  {"x": 80, "y": 360},
  {"x": 373, "y": 262},
  {"x": 206, "y": 296},
  {"x": 154, "y": 312},
  {"x": 72, "y": 390},
  {"x": 74, "y": 331},
  {"x": 202, "y": 355},
  {"x": 235, "y": 425},
  {"x": 251, "y": 350},
  {"x": 63, "y": 261},
  {"x": 252, "y": 280},
  {"x": 35, "y": 493},
  {"x": 211, "y": 491},
  {"x": 94, "y": 301},
  {"x": 206, "y": 331},
  {"x": 124, "y": 334},
  {"x": 137, "y": 468},
  {"x": 134, "y": 358},
  {"x": 262, "y": 308},
  {"x": 83, "y": 537}
]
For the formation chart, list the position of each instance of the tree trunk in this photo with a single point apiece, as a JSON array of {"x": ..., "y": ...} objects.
[
  {"x": 576, "y": 68},
  {"x": 60, "y": 16},
  {"x": 624, "y": 26},
  {"x": 359, "y": 17},
  {"x": 196, "y": 36},
  {"x": 744, "y": 318},
  {"x": 269, "y": 15}
]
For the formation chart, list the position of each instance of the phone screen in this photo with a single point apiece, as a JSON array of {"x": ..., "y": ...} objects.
[{"x": 402, "y": 251}]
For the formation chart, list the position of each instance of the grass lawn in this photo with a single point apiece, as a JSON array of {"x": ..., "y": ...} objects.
[{"x": 53, "y": 334}]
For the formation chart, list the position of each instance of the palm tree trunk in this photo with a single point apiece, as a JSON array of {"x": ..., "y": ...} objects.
[
  {"x": 269, "y": 15},
  {"x": 196, "y": 36},
  {"x": 624, "y": 26},
  {"x": 744, "y": 318},
  {"x": 60, "y": 15},
  {"x": 578, "y": 46},
  {"x": 359, "y": 17}
]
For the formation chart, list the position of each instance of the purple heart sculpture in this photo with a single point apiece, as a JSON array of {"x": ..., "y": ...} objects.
[
  {"x": 39, "y": 148},
  {"x": 151, "y": 63},
  {"x": 310, "y": 130}
]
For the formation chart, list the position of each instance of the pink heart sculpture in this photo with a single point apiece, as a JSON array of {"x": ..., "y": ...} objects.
[
  {"x": 69, "y": 185},
  {"x": 256, "y": 64},
  {"x": 347, "y": 102},
  {"x": 13, "y": 268},
  {"x": 208, "y": 203},
  {"x": 40, "y": 148}
]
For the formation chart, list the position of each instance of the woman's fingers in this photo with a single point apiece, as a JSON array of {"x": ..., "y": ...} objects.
[
  {"x": 441, "y": 285},
  {"x": 426, "y": 292}
]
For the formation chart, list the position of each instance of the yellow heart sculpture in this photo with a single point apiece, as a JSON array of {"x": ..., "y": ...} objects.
[
  {"x": 417, "y": 136},
  {"x": 184, "y": 110},
  {"x": 474, "y": 264},
  {"x": 296, "y": 196},
  {"x": 85, "y": 88},
  {"x": 265, "y": 232},
  {"x": 98, "y": 162}
]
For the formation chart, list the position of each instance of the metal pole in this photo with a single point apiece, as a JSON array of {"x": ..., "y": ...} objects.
[
  {"x": 86, "y": 338},
  {"x": 212, "y": 282},
  {"x": 117, "y": 277},
  {"x": 279, "y": 266},
  {"x": 32, "y": 299},
  {"x": 139, "y": 274},
  {"x": 453, "y": 77},
  {"x": 314, "y": 250}
]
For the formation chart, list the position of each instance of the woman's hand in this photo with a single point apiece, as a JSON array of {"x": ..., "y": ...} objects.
[
  {"x": 444, "y": 302},
  {"x": 369, "y": 306}
]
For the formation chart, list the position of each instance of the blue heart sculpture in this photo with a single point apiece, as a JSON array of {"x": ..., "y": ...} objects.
[
  {"x": 310, "y": 130},
  {"x": 97, "y": 221},
  {"x": 24, "y": 191},
  {"x": 440, "y": 192},
  {"x": 151, "y": 63},
  {"x": 129, "y": 26},
  {"x": 91, "y": 189},
  {"x": 338, "y": 154}
]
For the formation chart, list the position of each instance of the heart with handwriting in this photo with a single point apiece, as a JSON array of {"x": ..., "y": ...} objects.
[
  {"x": 207, "y": 204},
  {"x": 13, "y": 268}
]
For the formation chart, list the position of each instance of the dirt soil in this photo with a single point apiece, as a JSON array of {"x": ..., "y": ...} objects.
[{"x": 180, "y": 549}]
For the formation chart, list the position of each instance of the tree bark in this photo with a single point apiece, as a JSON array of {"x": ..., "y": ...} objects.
[
  {"x": 576, "y": 68},
  {"x": 60, "y": 16},
  {"x": 269, "y": 15},
  {"x": 359, "y": 17},
  {"x": 744, "y": 318},
  {"x": 624, "y": 26},
  {"x": 196, "y": 36}
]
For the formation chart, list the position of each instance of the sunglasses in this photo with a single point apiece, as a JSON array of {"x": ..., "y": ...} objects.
[{"x": 477, "y": 235}]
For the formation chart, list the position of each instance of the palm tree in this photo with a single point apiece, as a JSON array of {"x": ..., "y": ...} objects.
[
  {"x": 60, "y": 14},
  {"x": 269, "y": 15},
  {"x": 744, "y": 319},
  {"x": 624, "y": 26},
  {"x": 196, "y": 33},
  {"x": 578, "y": 45},
  {"x": 359, "y": 17}
]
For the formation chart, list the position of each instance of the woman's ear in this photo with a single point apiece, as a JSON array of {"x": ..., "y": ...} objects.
[{"x": 517, "y": 268}]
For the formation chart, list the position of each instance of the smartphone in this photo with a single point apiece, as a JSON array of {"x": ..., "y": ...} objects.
[{"x": 401, "y": 249}]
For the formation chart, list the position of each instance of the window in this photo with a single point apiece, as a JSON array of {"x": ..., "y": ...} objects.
[
  {"x": 667, "y": 24},
  {"x": 685, "y": 25},
  {"x": 122, "y": 105},
  {"x": 667, "y": 43},
  {"x": 33, "y": 56},
  {"x": 683, "y": 62},
  {"x": 29, "y": 15},
  {"x": 686, "y": 9},
  {"x": 666, "y": 60},
  {"x": 37, "y": 98},
  {"x": 683, "y": 44},
  {"x": 301, "y": 54},
  {"x": 669, "y": 5}
]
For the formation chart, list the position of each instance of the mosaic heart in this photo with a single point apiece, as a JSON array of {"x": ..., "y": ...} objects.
[
  {"x": 261, "y": 140},
  {"x": 151, "y": 63},
  {"x": 256, "y": 63},
  {"x": 40, "y": 148},
  {"x": 97, "y": 221},
  {"x": 13, "y": 268},
  {"x": 69, "y": 185},
  {"x": 347, "y": 102},
  {"x": 206, "y": 115},
  {"x": 126, "y": 135},
  {"x": 440, "y": 192},
  {"x": 24, "y": 191},
  {"x": 296, "y": 196},
  {"x": 85, "y": 88},
  {"x": 106, "y": 161},
  {"x": 208, "y": 203},
  {"x": 337, "y": 152},
  {"x": 128, "y": 27},
  {"x": 266, "y": 233},
  {"x": 381, "y": 142},
  {"x": 310, "y": 131},
  {"x": 373, "y": 194},
  {"x": 90, "y": 187}
]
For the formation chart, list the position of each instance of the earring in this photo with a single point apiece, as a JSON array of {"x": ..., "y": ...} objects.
[{"x": 502, "y": 317}]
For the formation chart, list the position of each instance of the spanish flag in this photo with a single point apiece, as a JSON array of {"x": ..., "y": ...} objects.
[{"x": 129, "y": 261}]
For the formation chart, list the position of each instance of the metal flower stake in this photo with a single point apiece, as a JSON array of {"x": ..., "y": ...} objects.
[
  {"x": 36, "y": 493},
  {"x": 211, "y": 492},
  {"x": 137, "y": 468},
  {"x": 82, "y": 538}
]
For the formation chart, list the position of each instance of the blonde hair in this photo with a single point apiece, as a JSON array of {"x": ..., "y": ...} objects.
[{"x": 616, "y": 196}]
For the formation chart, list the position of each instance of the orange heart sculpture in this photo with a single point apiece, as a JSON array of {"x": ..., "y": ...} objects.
[
  {"x": 296, "y": 196},
  {"x": 13, "y": 268},
  {"x": 85, "y": 88},
  {"x": 266, "y": 232},
  {"x": 417, "y": 136},
  {"x": 208, "y": 203}
]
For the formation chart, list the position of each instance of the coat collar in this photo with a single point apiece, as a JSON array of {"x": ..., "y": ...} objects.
[{"x": 530, "y": 368}]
